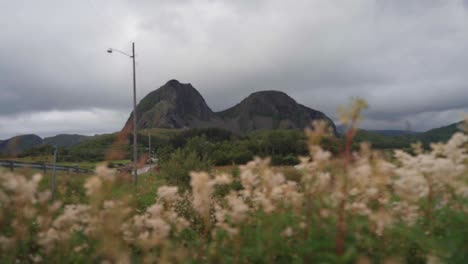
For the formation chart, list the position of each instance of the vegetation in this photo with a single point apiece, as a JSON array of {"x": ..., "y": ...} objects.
[
  {"x": 221, "y": 147},
  {"x": 176, "y": 170},
  {"x": 355, "y": 207},
  {"x": 404, "y": 141},
  {"x": 89, "y": 150}
]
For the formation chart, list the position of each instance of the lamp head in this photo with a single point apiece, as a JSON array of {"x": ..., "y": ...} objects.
[{"x": 109, "y": 50}]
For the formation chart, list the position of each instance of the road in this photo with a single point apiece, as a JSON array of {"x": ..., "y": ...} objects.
[{"x": 145, "y": 169}]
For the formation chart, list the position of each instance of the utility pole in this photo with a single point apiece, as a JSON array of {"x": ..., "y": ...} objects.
[
  {"x": 54, "y": 172},
  {"x": 135, "y": 150}
]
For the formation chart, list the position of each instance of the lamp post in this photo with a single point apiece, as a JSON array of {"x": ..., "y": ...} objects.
[{"x": 135, "y": 152}]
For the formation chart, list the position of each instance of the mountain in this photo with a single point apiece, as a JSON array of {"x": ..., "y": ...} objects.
[
  {"x": 178, "y": 105},
  {"x": 65, "y": 140},
  {"x": 173, "y": 105},
  {"x": 389, "y": 132},
  {"x": 381, "y": 141},
  {"x": 15, "y": 145},
  {"x": 440, "y": 134},
  {"x": 404, "y": 140},
  {"x": 384, "y": 132},
  {"x": 270, "y": 110}
]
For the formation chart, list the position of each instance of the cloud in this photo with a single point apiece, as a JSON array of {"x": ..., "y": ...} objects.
[
  {"x": 422, "y": 121},
  {"x": 405, "y": 58},
  {"x": 50, "y": 123}
]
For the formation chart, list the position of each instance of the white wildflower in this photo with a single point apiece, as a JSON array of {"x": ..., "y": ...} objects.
[
  {"x": 168, "y": 193},
  {"x": 202, "y": 189},
  {"x": 105, "y": 173},
  {"x": 223, "y": 179},
  {"x": 93, "y": 185},
  {"x": 287, "y": 232},
  {"x": 239, "y": 209}
]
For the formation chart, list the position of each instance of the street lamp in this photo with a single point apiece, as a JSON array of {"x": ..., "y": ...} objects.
[{"x": 135, "y": 152}]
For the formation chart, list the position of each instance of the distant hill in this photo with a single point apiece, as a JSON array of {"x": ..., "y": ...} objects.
[
  {"x": 96, "y": 148},
  {"x": 384, "y": 132},
  {"x": 18, "y": 144},
  {"x": 382, "y": 141},
  {"x": 440, "y": 134},
  {"x": 177, "y": 105},
  {"x": 403, "y": 140},
  {"x": 65, "y": 140},
  {"x": 394, "y": 132}
]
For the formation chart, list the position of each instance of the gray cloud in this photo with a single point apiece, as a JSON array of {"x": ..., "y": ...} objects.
[
  {"x": 54, "y": 122},
  {"x": 406, "y": 58}
]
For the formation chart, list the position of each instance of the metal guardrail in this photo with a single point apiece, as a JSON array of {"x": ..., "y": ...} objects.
[{"x": 11, "y": 164}]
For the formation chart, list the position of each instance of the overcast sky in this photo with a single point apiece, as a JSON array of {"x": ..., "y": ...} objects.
[{"x": 407, "y": 58}]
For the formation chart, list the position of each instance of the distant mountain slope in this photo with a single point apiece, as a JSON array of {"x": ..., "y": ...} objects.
[
  {"x": 177, "y": 105},
  {"x": 382, "y": 140},
  {"x": 270, "y": 110},
  {"x": 15, "y": 145},
  {"x": 384, "y": 132},
  {"x": 394, "y": 132},
  {"x": 65, "y": 140},
  {"x": 440, "y": 134}
]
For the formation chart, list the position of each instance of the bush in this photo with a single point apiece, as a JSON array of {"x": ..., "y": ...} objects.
[
  {"x": 176, "y": 169},
  {"x": 284, "y": 160},
  {"x": 210, "y": 134}
]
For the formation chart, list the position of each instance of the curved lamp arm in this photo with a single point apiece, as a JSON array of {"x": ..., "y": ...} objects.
[{"x": 110, "y": 50}]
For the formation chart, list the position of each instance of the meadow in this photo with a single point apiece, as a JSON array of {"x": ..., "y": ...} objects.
[{"x": 354, "y": 206}]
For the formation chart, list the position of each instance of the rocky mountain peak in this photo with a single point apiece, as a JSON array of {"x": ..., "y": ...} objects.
[
  {"x": 270, "y": 95},
  {"x": 173, "y": 105},
  {"x": 270, "y": 99}
]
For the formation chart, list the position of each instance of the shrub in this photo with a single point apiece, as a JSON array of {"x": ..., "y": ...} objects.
[
  {"x": 177, "y": 168},
  {"x": 289, "y": 159}
]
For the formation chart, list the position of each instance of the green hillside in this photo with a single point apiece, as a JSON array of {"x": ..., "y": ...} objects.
[
  {"x": 18, "y": 144},
  {"x": 440, "y": 134},
  {"x": 222, "y": 146},
  {"x": 65, "y": 140},
  {"x": 381, "y": 141}
]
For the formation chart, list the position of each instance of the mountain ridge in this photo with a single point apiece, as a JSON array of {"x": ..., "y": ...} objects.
[
  {"x": 65, "y": 140},
  {"x": 20, "y": 143},
  {"x": 403, "y": 139},
  {"x": 178, "y": 105}
]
